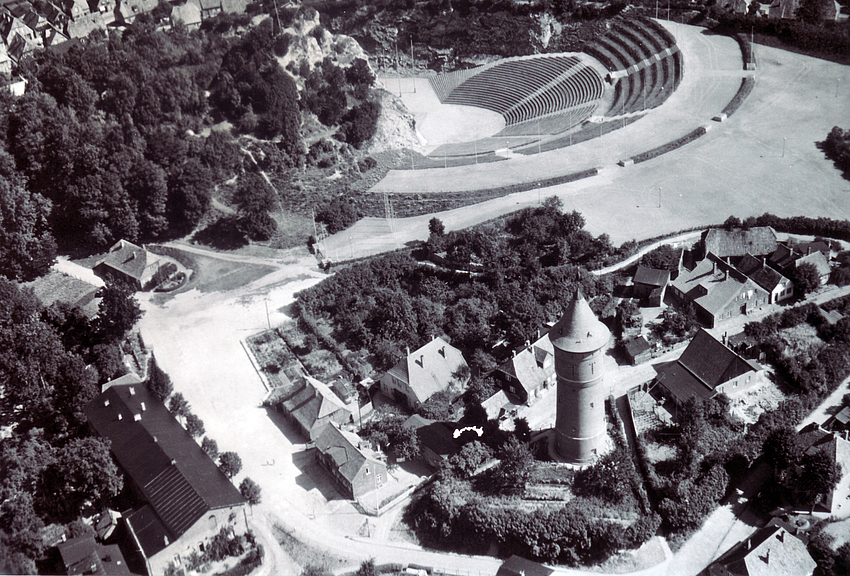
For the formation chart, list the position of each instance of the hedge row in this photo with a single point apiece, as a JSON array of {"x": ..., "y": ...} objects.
[
  {"x": 747, "y": 85},
  {"x": 678, "y": 143},
  {"x": 746, "y": 48}
]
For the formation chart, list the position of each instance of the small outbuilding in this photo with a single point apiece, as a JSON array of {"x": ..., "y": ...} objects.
[
  {"x": 647, "y": 280},
  {"x": 638, "y": 350}
]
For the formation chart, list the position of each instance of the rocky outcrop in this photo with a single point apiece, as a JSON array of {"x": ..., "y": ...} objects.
[{"x": 311, "y": 43}]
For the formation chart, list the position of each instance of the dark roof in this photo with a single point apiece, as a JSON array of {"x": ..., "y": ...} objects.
[
  {"x": 704, "y": 365},
  {"x": 82, "y": 555},
  {"x": 129, "y": 259},
  {"x": 758, "y": 240},
  {"x": 176, "y": 477},
  {"x": 343, "y": 449},
  {"x": 437, "y": 436},
  {"x": 518, "y": 566},
  {"x": 651, "y": 276},
  {"x": 636, "y": 346},
  {"x": 759, "y": 272},
  {"x": 149, "y": 530}
]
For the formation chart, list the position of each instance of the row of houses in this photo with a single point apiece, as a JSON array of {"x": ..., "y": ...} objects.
[
  {"x": 27, "y": 26},
  {"x": 787, "y": 9},
  {"x": 733, "y": 273}
]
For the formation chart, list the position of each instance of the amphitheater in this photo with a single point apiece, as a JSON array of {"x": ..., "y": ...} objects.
[{"x": 660, "y": 82}]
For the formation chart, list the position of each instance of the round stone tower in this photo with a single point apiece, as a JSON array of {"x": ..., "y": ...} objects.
[{"x": 579, "y": 339}]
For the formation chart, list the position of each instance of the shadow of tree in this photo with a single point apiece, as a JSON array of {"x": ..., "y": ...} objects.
[{"x": 223, "y": 234}]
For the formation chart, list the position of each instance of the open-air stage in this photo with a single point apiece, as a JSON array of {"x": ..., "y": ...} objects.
[{"x": 764, "y": 158}]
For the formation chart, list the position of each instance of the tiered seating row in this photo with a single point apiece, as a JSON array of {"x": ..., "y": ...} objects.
[
  {"x": 633, "y": 46},
  {"x": 551, "y": 124},
  {"x": 582, "y": 86},
  {"x": 443, "y": 84},
  {"x": 503, "y": 85}
]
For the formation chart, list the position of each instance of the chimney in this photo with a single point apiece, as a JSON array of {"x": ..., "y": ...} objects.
[
  {"x": 132, "y": 391},
  {"x": 726, "y": 274},
  {"x": 527, "y": 343},
  {"x": 120, "y": 417},
  {"x": 714, "y": 266},
  {"x": 763, "y": 261},
  {"x": 749, "y": 544},
  {"x": 808, "y": 250},
  {"x": 106, "y": 402},
  {"x": 407, "y": 349},
  {"x": 137, "y": 417},
  {"x": 725, "y": 341},
  {"x": 442, "y": 351},
  {"x": 143, "y": 406}
]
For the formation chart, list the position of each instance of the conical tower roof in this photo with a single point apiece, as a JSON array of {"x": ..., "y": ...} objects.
[{"x": 579, "y": 330}]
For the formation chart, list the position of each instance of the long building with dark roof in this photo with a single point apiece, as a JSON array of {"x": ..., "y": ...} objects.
[{"x": 188, "y": 499}]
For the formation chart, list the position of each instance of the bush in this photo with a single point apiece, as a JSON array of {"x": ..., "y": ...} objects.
[{"x": 251, "y": 491}]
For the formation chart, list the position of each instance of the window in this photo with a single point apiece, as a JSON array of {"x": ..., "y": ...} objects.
[{"x": 591, "y": 404}]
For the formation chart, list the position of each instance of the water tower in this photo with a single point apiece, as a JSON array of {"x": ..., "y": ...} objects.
[{"x": 579, "y": 339}]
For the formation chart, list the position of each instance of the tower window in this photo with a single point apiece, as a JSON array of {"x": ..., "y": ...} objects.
[{"x": 591, "y": 404}]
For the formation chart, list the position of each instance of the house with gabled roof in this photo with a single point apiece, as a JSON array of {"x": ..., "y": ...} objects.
[
  {"x": 186, "y": 499},
  {"x": 436, "y": 439},
  {"x": 315, "y": 406},
  {"x": 706, "y": 368},
  {"x": 187, "y": 13},
  {"x": 130, "y": 263},
  {"x": 778, "y": 286},
  {"x": 718, "y": 291},
  {"x": 529, "y": 371},
  {"x": 434, "y": 367},
  {"x": 127, "y": 10},
  {"x": 353, "y": 466},
  {"x": 61, "y": 284},
  {"x": 771, "y": 551},
  {"x": 82, "y": 555},
  {"x": 789, "y": 255},
  {"x": 648, "y": 280}
]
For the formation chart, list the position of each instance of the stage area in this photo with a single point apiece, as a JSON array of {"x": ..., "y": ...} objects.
[{"x": 440, "y": 123}]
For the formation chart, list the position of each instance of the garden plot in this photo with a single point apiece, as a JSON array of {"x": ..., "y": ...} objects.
[
  {"x": 320, "y": 362},
  {"x": 274, "y": 359},
  {"x": 752, "y": 403}
]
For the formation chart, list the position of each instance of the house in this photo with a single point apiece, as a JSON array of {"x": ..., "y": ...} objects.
[
  {"x": 758, "y": 240},
  {"x": 15, "y": 85},
  {"x": 188, "y": 13},
  {"x": 130, "y": 263},
  {"x": 82, "y": 555},
  {"x": 434, "y": 367},
  {"x": 62, "y": 284},
  {"x": 637, "y": 350},
  {"x": 718, "y": 291},
  {"x": 315, "y": 406},
  {"x": 647, "y": 280},
  {"x": 124, "y": 380},
  {"x": 127, "y": 10},
  {"x": 499, "y": 406},
  {"x": 185, "y": 500},
  {"x": 706, "y": 368},
  {"x": 815, "y": 439},
  {"x": 210, "y": 8},
  {"x": 355, "y": 470},
  {"x": 771, "y": 551},
  {"x": 778, "y": 286},
  {"x": 788, "y": 256},
  {"x": 784, "y": 9},
  {"x": 519, "y": 566},
  {"x": 529, "y": 371},
  {"x": 436, "y": 439}
]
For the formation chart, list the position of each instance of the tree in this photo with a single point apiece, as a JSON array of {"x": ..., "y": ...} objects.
[
  {"x": 27, "y": 247},
  {"x": 469, "y": 458},
  {"x": 159, "y": 382},
  {"x": 210, "y": 446},
  {"x": 250, "y": 490},
  {"x": 436, "y": 227},
  {"x": 337, "y": 215},
  {"x": 178, "y": 405},
  {"x": 782, "y": 448},
  {"x": 407, "y": 444},
  {"x": 84, "y": 472},
  {"x": 820, "y": 475},
  {"x": 230, "y": 463},
  {"x": 514, "y": 467},
  {"x": 189, "y": 192},
  {"x": 367, "y": 568},
  {"x": 811, "y": 11},
  {"x": 194, "y": 425},
  {"x": 521, "y": 429},
  {"x": 806, "y": 278},
  {"x": 732, "y": 223},
  {"x": 117, "y": 312}
]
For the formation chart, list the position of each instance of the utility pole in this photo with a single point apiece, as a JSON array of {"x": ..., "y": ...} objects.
[
  {"x": 412, "y": 64},
  {"x": 268, "y": 318}
]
